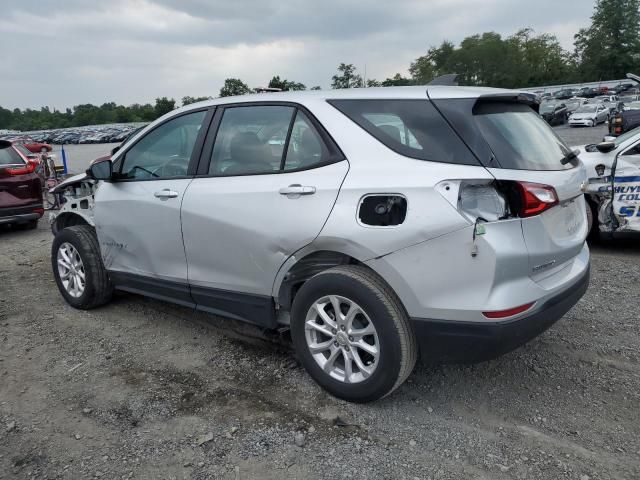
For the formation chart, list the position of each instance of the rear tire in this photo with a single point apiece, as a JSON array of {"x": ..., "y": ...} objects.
[
  {"x": 78, "y": 269},
  {"x": 380, "y": 370}
]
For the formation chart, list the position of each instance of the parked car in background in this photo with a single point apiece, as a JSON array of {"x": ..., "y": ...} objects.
[
  {"x": 20, "y": 188},
  {"x": 613, "y": 191},
  {"x": 564, "y": 94},
  {"x": 589, "y": 115},
  {"x": 573, "y": 104},
  {"x": 610, "y": 101},
  {"x": 588, "y": 92},
  {"x": 629, "y": 99},
  {"x": 554, "y": 113},
  {"x": 38, "y": 147},
  {"x": 441, "y": 220}
]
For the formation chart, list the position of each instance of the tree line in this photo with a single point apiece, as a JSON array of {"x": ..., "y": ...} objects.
[{"x": 606, "y": 50}]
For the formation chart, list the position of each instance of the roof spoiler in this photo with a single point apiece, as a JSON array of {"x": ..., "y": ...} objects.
[
  {"x": 526, "y": 98},
  {"x": 450, "y": 80},
  {"x": 633, "y": 77}
]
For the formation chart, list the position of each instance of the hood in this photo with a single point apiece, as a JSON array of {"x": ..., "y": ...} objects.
[
  {"x": 583, "y": 116},
  {"x": 593, "y": 157}
]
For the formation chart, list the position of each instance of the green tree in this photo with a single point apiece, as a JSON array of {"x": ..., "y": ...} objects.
[
  {"x": 234, "y": 86},
  {"x": 346, "y": 77},
  {"x": 521, "y": 60},
  {"x": 189, "y": 100},
  {"x": 610, "y": 47},
  {"x": 397, "y": 81},
  {"x": 285, "y": 85},
  {"x": 164, "y": 105}
]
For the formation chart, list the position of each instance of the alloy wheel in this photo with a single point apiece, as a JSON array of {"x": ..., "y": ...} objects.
[
  {"x": 71, "y": 270},
  {"x": 342, "y": 339}
]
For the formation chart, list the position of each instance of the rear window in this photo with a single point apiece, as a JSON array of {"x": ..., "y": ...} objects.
[
  {"x": 519, "y": 138},
  {"x": 8, "y": 156},
  {"x": 413, "y": 128}
]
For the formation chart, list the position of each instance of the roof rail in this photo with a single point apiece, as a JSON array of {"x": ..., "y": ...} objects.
[{"x": 450, "y": 80}]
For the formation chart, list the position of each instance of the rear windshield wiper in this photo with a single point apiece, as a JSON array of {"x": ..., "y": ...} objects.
[{"x": 572, "y": 155}]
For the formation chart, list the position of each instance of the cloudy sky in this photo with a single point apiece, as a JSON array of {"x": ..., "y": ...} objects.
[{"x": 66, "y": 52}]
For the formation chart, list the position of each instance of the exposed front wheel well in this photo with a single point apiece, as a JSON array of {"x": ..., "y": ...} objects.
[{"x": 66, "y": 220}]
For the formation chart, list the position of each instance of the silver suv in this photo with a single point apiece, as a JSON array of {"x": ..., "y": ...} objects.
[{"x": 376, "y": 224}]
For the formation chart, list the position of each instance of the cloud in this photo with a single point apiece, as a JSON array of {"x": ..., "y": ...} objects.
[{"x": 66, "y": 52}]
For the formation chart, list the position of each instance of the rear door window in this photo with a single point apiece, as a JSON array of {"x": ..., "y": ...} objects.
[
  {"x": 251, "y": 140},
  {"x": 413, "y": 128},
  {"x": 519, "y": 138}
]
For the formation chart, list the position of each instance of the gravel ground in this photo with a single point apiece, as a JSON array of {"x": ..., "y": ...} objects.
[{"x": 144, "y": 389}]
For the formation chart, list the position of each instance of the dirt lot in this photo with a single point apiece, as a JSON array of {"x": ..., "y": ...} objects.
[{"x": 144, "y": 389}]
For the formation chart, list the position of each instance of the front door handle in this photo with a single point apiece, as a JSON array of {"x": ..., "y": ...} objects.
[
  {"x": 295, "y": 190},
  {"x": 165, "y": 194}
]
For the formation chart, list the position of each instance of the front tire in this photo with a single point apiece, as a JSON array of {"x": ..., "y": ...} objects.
[
  {"x": 78, "y": 269},
  {"x": 352, "y": 334}
]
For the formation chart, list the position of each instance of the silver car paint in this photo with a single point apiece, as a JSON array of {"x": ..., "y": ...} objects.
[
  {"x": 427, "y": 260},
  {"x": 599, "y": 116},
  {"x": 140, "y": 233},
  {"x": 238, "y": 231}
]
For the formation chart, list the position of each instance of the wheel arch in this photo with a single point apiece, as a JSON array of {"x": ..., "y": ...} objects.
[
  {"x": 305, "y": 264},
  {"x": 70, "y": 219}
]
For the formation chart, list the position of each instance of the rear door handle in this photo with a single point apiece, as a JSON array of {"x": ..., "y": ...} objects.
[
  {"x": 165, "y": 194},
  {"x": 295, "y": 190}
]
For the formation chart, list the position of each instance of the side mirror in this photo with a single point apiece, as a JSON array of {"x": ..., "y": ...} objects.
[
  {"x": 605, "y": 147},
  {"x": 115, "y": 149},
  {"x": 102, "y": 170}
]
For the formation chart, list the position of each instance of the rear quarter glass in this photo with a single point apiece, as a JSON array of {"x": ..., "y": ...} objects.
[
  {"x": 8, "y": 156},
  {"x": 506, "y": 135},
  {"x": 412, "y": 127}
]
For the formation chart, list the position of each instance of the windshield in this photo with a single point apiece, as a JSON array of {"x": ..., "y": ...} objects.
[
  {"x": 547, "y": 107},
  {"x": 519, "y": 138},
  {"x": 586, "y": 109}
]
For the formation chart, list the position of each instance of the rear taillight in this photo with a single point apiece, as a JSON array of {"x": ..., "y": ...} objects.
[
  {"x": 536, "y": 198},
  {"x": 39, "y": 211},
  {"x": 30, "y": 167}
]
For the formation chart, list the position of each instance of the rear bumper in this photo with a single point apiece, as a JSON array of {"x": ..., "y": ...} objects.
[
  {"x": 21, "y": 214},
  {"x": 469, "y": 342}
]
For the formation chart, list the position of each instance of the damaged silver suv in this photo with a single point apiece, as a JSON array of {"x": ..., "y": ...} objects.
[{"x": 376, "y": 224}]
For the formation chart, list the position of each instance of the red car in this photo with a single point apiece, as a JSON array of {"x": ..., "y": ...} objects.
[
  {"x": 37, "y": 147},
  {"x": 20, "y": 188},
  {"x": 31, "y": 145}
]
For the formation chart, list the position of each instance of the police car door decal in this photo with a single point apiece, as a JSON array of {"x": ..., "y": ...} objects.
[{"x": 626, "y": 192}]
